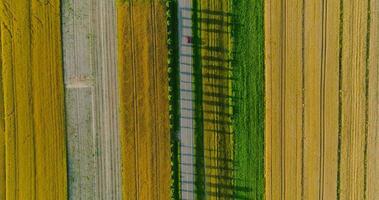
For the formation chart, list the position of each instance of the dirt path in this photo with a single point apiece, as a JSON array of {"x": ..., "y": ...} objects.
[
  {"x": 143, "y": 86},
  {"x": 318, "y": 93},
  {"x": 33, "y": 136},
  {"x": 89, "y": 48}
]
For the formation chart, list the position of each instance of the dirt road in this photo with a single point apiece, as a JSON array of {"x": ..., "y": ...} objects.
[{"x": 90, "y": 66}]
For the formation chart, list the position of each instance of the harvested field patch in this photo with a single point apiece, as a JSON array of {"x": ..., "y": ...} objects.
[
  {"x": 320, "y": 101},
  {"x": 143, "y": 89}
]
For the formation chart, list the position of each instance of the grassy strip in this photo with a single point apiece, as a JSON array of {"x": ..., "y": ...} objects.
[
  {"x": 198, "y": 88},
  {"x": 248, "y": 68},
  {"x": 174, "y": 88}
]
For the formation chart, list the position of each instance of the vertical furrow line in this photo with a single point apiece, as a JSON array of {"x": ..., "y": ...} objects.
[
  {"x": 156, "y": 95},
  {"x": 283, "y": 41},
  {"x": 2, "y": 125},
  {"x": 302, "y": 97},
  {"x": 340, "y": 103},
  {"x": 367, "y": 83},
  {"x": 15, "y": 124},
  {"x": 324, "y": 94},
  {"x": 351, "y": 125},
  {"x": 32, "y": 110},
  {"x": 100, "y": 141},
  {"x": 372, "y": 190},
  {"x": 134, "y": 74},
  {"x": 322, "y": 98},
  {"x": 155, "y": 136},
  {"x": 271, "y": 105}
]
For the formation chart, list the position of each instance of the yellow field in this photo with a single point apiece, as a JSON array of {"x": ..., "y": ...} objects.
[
  {"x": 217, "y": 103},
  {"x": 373, "y": 106},
  {"x": 321, "y": 100},
  {"x": 143, "y": 87},
  {"x": 32, "y": 140}
]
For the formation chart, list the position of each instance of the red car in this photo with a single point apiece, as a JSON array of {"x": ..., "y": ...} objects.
[{"x": 189, "y": 39}]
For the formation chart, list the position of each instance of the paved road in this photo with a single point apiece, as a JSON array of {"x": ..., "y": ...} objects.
[{"x": 186, "y": 100}]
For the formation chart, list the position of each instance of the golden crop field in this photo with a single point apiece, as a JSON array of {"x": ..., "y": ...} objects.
[
  {"x": 143, "y": 90},
  {"x": 189, "y": 99},
  {"x": 32, "y": 145},
  {"x": 321, "y": 99}
]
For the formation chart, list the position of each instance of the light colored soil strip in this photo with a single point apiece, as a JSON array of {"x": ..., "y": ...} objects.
[
  {"x": 32, "y": 89},
  {"x": 143, "y": 97},
  {"x": 89, "y": 45}
]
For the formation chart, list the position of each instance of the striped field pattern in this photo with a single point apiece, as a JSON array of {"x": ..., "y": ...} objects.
[{"x": 321, "y": 99}]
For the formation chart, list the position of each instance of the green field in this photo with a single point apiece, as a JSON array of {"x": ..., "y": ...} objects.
[{"x": 248, "y": 123}]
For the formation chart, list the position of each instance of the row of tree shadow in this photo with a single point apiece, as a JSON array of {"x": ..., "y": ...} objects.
[
  {"x": 219, "y": 180},
  {"x": 215, "y": 166}
]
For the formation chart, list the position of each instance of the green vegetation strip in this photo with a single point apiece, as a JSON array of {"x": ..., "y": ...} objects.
[
  {"x": 173, "y": 65},
  {"x": 198, "y": 88},
  {"x": 248, "y": 87}
]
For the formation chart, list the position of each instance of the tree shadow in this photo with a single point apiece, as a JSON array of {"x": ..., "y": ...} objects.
[{"x": 214, "y": 167}]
